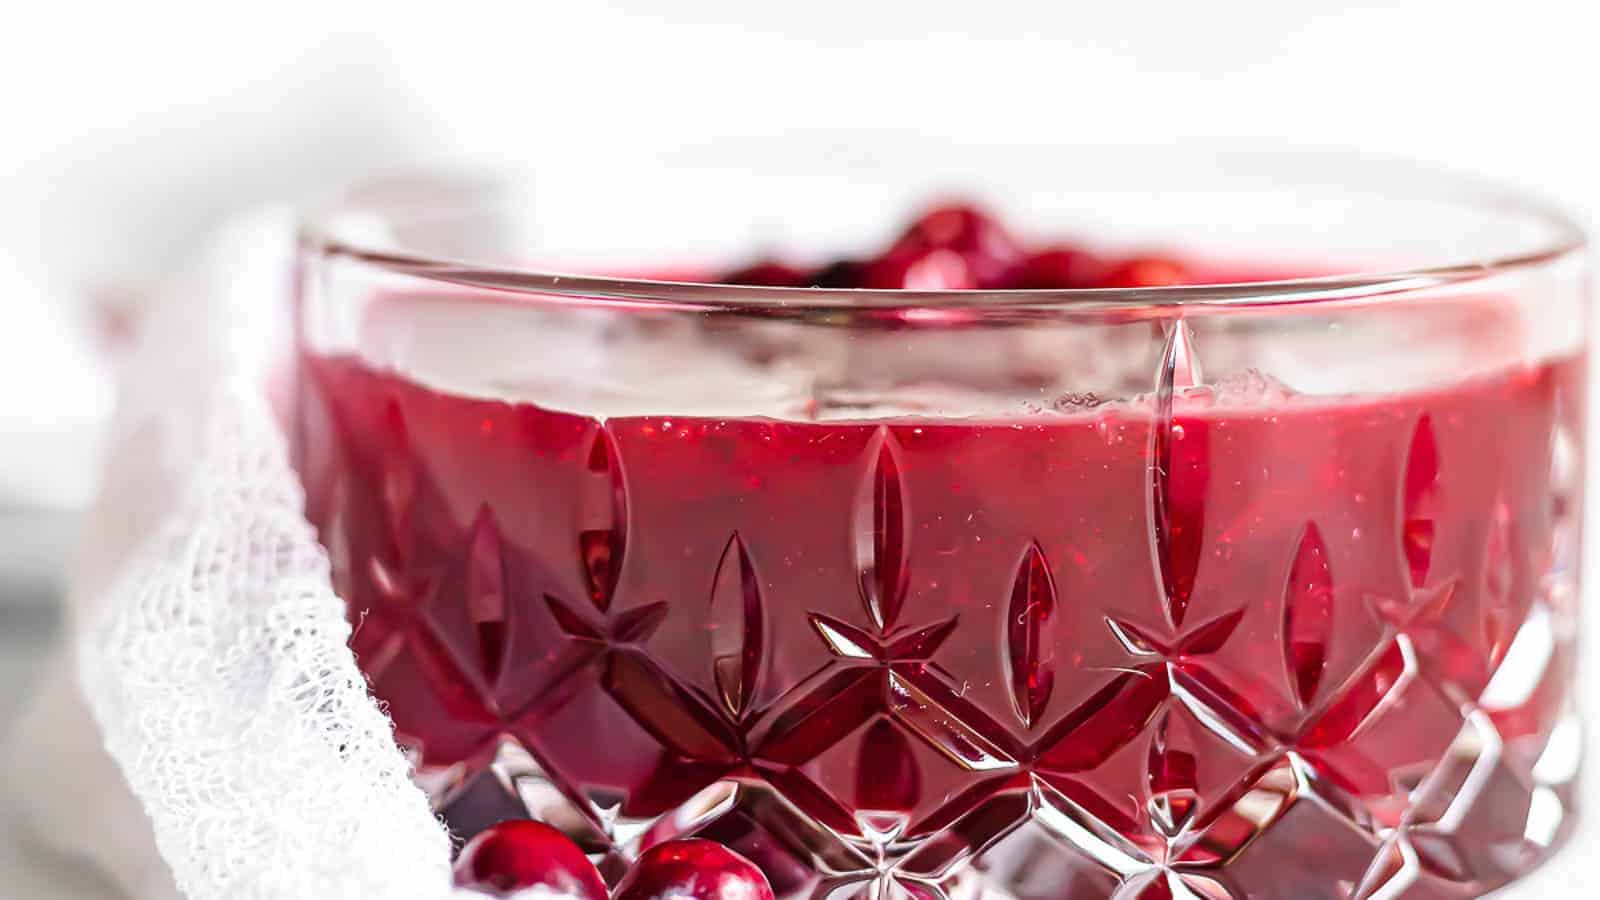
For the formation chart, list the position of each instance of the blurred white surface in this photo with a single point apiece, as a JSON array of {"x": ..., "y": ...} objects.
[
  {"x": 134, "y": 129},
  {"x": 134, "y": 126}
]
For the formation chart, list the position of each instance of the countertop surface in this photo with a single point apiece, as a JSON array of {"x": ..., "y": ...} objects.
[{"x": 33, "y": 551}]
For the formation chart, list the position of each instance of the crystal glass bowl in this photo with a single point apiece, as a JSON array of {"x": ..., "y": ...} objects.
[{"x": 1259, "y": 588}]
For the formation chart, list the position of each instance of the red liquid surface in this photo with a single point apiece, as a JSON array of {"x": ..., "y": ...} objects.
[{"x": 1119, "y": 652}]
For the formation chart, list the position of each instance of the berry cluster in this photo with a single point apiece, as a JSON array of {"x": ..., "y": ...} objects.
[
  {"x": 528, "y": 859},
  {"x": 960, "y": 247}
]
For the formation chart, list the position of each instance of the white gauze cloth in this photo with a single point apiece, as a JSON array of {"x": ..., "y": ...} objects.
[{"x": 211, "y": 647}]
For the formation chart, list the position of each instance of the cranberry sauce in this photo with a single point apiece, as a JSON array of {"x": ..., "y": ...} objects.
[{"x": 1259, "y": 650}]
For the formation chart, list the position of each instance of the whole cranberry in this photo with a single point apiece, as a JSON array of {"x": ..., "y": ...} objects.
[
  {"x": 1146, "y": 271},
  {"x": 1059, "y": 268},
  {"x": 767, "y": 273},
  {"x": 991, "y": 252},
  {"x": 520, "y": 854},
  {"x": 937, "y": 269},
  {"x": 692, "y": 869}
]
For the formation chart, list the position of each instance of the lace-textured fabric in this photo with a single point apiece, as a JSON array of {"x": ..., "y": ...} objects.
[{"x": 215, "y": 659}]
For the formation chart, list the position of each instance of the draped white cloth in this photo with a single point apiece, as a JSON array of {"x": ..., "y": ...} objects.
[{"x": 210, "y": 647}]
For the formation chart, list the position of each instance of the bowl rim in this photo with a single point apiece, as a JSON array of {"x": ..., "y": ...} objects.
[{"x": 319, "y": 237}]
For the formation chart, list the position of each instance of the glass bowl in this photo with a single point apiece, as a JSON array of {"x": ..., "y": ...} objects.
[{"x": 1264, "y": 587}]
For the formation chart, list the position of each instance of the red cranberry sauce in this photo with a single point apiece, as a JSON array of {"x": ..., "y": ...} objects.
[
  {"x": 895, "y": 620},
  {"x": 957, "y": 246}
]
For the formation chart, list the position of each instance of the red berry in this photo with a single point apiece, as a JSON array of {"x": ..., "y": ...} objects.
[
  {"x": 844, "y": 273},
  {"x": 767, "y": 273},
  {"x": 1060, "y": 268},
  {"x": 990, "y": 251},
  {"x": 520, "y": 854},
  {"x": 921, "y": 270},
  {"x": 1146, "y": 271},
  {"x": 692, "y": 869}
]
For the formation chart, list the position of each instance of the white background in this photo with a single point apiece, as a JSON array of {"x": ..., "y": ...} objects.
[
  {"x": 130, "y": 129},
  {"x": 130, "y": 126}
]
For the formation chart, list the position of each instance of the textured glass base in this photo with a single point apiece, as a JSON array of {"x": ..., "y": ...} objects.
[{"x": 1489, "y": 813}]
